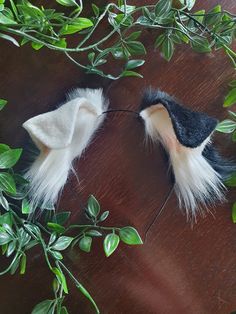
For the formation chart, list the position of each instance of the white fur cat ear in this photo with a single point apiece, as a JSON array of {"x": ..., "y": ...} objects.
[
  {"x": 198, "y": 169},
  {"x": 62, "y": 135}
]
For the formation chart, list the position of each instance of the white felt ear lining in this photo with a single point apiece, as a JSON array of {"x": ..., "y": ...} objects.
[
  {"x": 61, "y": 136},
  {"x": 54, "y": 129},
  {"x": 196, "y": 183}
]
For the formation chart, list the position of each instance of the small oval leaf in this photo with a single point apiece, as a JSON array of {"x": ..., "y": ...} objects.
[
  {"x": 62, "y": 243},
  {"x": 85, "y": 244},
  {"x": 111, "y": 243},
  {"x": 129, "y": 235}
]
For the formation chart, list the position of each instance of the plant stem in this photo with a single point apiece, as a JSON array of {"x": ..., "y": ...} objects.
[{"x": 80, "y": 286}]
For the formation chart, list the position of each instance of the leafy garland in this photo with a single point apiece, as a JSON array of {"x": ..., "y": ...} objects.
[{"x": 42, "y": 27}]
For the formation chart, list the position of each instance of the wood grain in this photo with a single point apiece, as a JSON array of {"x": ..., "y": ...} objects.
[{"x": 179, "y": 269}]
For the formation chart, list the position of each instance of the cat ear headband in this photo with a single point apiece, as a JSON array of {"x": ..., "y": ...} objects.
[
  {"x": 63, "y": 134},
  {"x": 198, "y": 169}
]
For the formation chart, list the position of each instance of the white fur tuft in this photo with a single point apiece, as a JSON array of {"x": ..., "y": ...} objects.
[
  {"x": 62, "y": 135},
  {"x": 197, "y": 184}
]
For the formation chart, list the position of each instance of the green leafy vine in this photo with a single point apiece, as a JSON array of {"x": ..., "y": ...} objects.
[{"x": 22, "y": 22}]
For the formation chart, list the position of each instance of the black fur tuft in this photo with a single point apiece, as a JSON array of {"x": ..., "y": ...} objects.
[{"x": 223, "y": 166}]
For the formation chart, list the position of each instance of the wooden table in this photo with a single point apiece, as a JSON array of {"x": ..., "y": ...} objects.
[{"x": 179, "y": 269}]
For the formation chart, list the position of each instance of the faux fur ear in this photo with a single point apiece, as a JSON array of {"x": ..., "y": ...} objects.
[
  {"x": 186, "y": 136},
  {"x": 62, "y": 135}
]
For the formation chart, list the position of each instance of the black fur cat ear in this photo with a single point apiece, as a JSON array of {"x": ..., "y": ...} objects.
[
  {"x": 191, "y": 127},
  {"x": 198, "y": 169}
]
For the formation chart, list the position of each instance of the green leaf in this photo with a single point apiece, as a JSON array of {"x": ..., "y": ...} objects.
[
  {"x": 230, "y": 98},
  {"x": 110, "y": 243},
  {"x": 87, "y": 295},
  {"x": 231, "y": 181},
  {"x": 120, "y": 53},
  {"x": 167, "y": 48},
  {"x": 4, "y": 148},
  {"x": 95, "y": 9},
  {"x": 163, "y": 7},
  {"x": 9, "y": 158},
  {"x": 34, "y": 229},
  {"x": 25, "y": 206},
  {"x": 93, "y": 207},
  {"x": 94, "y": 233},
  {"x": 10, "y": 38},
  {"x": 43, "y": 307},
  {"x": 3, "y": 103},
  {"x": 201, "y": 16},
  {"x": 182, "y": 34},
  {"x": 56, "y": 255},
  {"x": 6, "y": 219},
  {"x": 23, "y": 264},
  {"x": 104, "y": 215},
  {"x": 85, "y": 244},
  {"x": 29, "y": 11},
  {"x": 127, "y": 8},
  {"x": 213, "y": 17},
  {"x": 120, "y": 19},
  {"x": 62, "y": 243},
  {"x": 190, "y": 4},
  {"x": 78, "y": 24},
  {"x": 159, "y": 40},
  {"x": 3, "y": 202},
  {"x": 61, "y": 278},
  {"x": 4, "y": 238},
  {"x": 91, "y": 56},
  {"x": 11, "y": 248},
  {"x": 133, "y": 36},
  {"x": 4, "y": 248},
  {"x": 5, "y": 20},
  {"x": 131, "y": 64},
  {"x": 200, "y": 44},
  {"x": 129, "y": 235},
  {"x": 61, "y": 217},
  {"x": 36, "y": 45},
  {"x": 55, "y": 227},
  {"x": 130, "y": 73},
  {"x": 62, "y": 43},
  {"x": 7, "y": 183},
  {"x": 226, "y": 126},
  {"x": 67, "y": 3},
  {"x": 31, "y": 244},
  {"x": 234, "y": 136},
  {"x": 15, "y": 266},
  {"x": 136, "y": 48},
  {"x": 234, "y": 213},
  {"x": 64, "y": 310}
]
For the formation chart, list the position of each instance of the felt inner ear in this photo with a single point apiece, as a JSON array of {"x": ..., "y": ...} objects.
[{"x": 54, "y": 130}]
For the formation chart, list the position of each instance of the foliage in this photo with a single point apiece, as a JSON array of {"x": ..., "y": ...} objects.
[
  {"x": 20, "y": 233},
  {"x": 22, "y": 22},
  {"x": 228, "y": 126}
]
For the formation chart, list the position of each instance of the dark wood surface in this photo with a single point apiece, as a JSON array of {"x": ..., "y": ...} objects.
[{"x": 179, "y": 269}]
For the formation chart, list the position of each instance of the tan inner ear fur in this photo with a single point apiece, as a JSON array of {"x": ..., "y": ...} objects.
[{"x": 163, "y": 124}]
